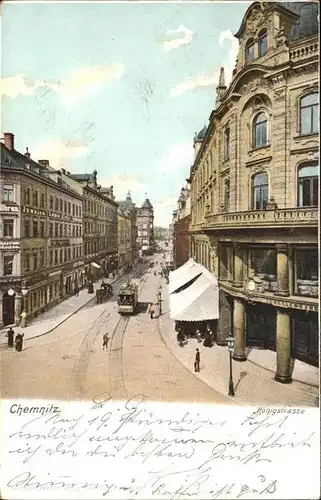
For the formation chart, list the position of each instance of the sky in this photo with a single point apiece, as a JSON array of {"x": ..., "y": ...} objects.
[{"x": 117, "y": 87}]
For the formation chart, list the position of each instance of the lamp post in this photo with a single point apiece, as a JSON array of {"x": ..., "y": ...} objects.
[
  {"x": 230, "y": 345},
  {"x": 160, "y": 299}
]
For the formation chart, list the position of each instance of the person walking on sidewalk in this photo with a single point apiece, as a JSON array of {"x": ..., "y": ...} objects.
[
  {"x": 197, "y": 361},
  {"x": 10, "y": 336},
  {"x": 105, "y": 341},
  {"x": 151, "y": 310},
  {"x": 19, "y": 341},
  {"x": 23, "y": 317}
]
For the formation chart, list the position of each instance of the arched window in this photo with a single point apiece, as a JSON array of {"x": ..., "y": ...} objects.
[
  {"x": 260, "y": 130},
  {"x": 250, "y": 51},
  {"x": 309, "y": 114},
  {"x": 226, "y": 201},
  {"x": 308, "y": 185},
  {"x": 226, "y": 143},
  {"x": 260, "y": 191},
  {"x": 263, "y": 43}
]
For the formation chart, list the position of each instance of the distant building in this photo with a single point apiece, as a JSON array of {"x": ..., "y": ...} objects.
[
  {"x": 145, "y": 228},
  {"x": 99, "y": 224},
  {"x": 127, "y": 233},
  {"x": 181, "y": 220},
  {"x": 255, "y": 184}
]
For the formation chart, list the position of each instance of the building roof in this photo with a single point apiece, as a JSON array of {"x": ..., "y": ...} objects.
[
  {"x": 200, "y": 136},
  {"x": 147, "y": 204},
  {"x": 307, "y": 24}
]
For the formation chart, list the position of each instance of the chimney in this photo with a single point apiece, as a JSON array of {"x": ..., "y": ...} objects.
[
  {"x": 43, "y": 163},
  {"x": 9, "y": 141},
  {"x": 27, "y": 154}
]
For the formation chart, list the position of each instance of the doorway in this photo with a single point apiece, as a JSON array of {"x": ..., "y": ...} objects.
[
  {"x": 261, "y": 327},
  {"x": 8, "y": 302}
]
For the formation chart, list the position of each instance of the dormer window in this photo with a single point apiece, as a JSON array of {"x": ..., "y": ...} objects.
[
  {"x": 250, "y": 51},
  {"x": 263, "y": 43}
]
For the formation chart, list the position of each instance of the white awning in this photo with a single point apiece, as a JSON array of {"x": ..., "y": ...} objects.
[
  {"x": 198, "y": 302},
  {"x": 177, "y": 272},
  {"x": 97, "y": 266}
]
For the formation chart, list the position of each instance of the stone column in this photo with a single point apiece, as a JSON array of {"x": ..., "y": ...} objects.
[
  {"x": 282, "y": 270},
  {"x": 1, "y": 309},
  {"x": 283, "y": 347},
  {"x": 17, "y": 308},
  {"x": 238, "y": 266},
  {"x": 239, "y": 330},
  {"x": 230, "y": 264}
]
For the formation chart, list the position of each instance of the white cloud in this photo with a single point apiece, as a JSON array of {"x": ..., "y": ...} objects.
[
  {"x": 211, "y": 80},
  {"x": 174, "y": 43},
  {"x": 59, "y": 151},
  {"x": 85, "y": 81},
  {"x": 80, "y": 83},
  {"x": 232, "y": 53},
  {"x": 14, "y": 86},
  {"x": 163, "y": 211},
  {"x": 123, "y": 183},
  {"x": 178, "y": 156}
]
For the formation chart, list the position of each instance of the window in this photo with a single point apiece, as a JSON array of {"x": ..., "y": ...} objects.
[
  {"x": 7, "y": 265},
  {"x": 8, "y": 228},
  {"x": 226, "y": 143},
  {"x": 309, "y": 114},
  {"x": 263, "y": 263},
  {"x": 42, "y": 258},
  {"x": 42, "y": 200},
  {"x": 226, "y": 201},
  {"x": 26, "y": 263},
  {"x": 308, "y": 185},
  {"x": 42, "y": 229},
  {"x": 260, "y": 191},
  {"x": 35, "y": 228},
  {"x": 51, "y": 202},
  {"x": 260, "y": 130},
  {"x": 262, "y": 43},
  {"x": 250, "y": 51},
  {"x": 34, "y": 260},
  {"x": 56, "y": 230},
  {"x": 61, "y": 203},
  {"x": 56, "y": 203},
  {"x": 7, "y": 192},
  {"x": 226, "y": 261},
  {"x": 27, "y": 196},
  {"x": 27, "y": 228},
  {"x": 35, "y": 198},
  {"x": 306, "y": 263}
]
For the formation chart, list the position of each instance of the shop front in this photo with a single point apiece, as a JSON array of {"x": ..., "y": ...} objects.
[
  {"x": 305, "y": 337},
  {"x": 261, "y": 326}
]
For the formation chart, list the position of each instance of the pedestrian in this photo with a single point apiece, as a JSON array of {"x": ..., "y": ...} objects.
[
  {"x": 23, "y": 317},
  {"x": 151, "y": 310},
  {"x": 76, "y": 291},
  {"x": 197, "y": 361},
  {"x": 19, "y": 341},
  {"x": 105, "y": 341},
  {"x": 10, "y": 336}
]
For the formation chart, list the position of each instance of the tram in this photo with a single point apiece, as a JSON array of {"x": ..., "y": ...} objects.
[{"x": 127, "y": 299}]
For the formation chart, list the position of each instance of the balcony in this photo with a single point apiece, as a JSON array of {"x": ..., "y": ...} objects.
[
  {"x": 285, "y": 217},
  {"x": 304, "y": 51}
]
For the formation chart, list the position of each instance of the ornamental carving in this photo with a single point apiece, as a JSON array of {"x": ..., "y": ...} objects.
[
  {"x": 256, "y": 84},
  {"x": 257, "y": 170},
  {"x": 255, "y": 21}
]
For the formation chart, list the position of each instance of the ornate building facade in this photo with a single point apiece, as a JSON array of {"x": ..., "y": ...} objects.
[
  {"x": 181, "y": 222},
  {"x": 145, "y": 228},
  {"x": 41, "y": 235},
  {"x": 254, "y": 187},
  {"x": 127, "y": 233}
]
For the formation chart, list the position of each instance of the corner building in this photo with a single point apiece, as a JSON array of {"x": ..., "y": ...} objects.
[{"x": 254, "y": 187}]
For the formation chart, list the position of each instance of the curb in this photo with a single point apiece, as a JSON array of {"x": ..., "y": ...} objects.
[{"x": 65, "y": 319}]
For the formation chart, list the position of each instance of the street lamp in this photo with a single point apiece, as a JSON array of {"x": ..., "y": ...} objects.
[
  {"x": 160, "y": 299},
  {"x": 230, "y": 345}
]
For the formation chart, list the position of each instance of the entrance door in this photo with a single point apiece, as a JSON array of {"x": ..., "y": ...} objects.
[
  {"x": 8, "y": 302},
  {"x": 261, "y": 327},
  {"x": 304, "y": 334}
]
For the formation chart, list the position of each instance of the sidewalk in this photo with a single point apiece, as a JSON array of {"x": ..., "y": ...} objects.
[
  {"x": 51, "y": 319},
  {"x": 253, "y": 379}
]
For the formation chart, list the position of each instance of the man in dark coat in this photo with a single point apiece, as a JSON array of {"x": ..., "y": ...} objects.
[
  {"x": 10, "y": 336},
  {"x": 19, "y": 341},
  {"x": 197, "y": 361}
]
